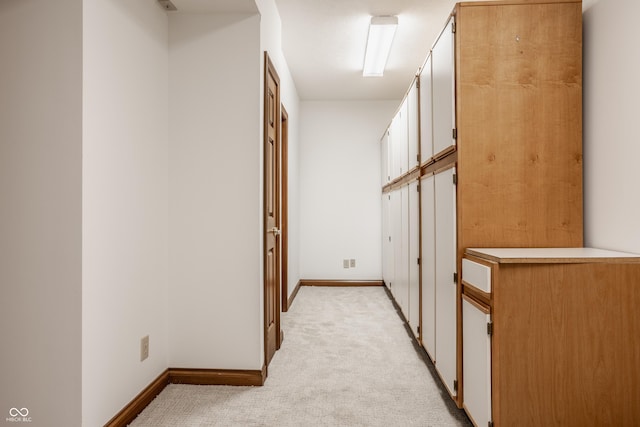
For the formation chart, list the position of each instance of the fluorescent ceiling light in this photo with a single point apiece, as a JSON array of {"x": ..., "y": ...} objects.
[{"x": 381, "y": 32}]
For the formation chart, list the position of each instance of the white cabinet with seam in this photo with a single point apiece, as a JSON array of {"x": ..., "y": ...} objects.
[
  {"x": 442, "y": 57},
  {"x": 446, "y": 289},
  {"x": 414, "y": 256},
  {"x": 428, "y": 261},
  {"x": 476, "y": 360},
  {"x": 426, "y": 112}
]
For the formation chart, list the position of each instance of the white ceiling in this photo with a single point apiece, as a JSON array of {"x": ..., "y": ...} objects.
[
  {"x": 218, "y": 6},
  {"x": 324, "y": 41}
]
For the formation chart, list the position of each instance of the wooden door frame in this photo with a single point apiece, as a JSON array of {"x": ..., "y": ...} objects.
[
  {"x": 270, "y": 72},
  {"x": 284, "y": 209}
]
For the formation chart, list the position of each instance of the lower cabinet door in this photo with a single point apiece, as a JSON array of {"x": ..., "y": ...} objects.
[
  {"x": 446, "y": 359},
  {"x": 476, "y": 361}
]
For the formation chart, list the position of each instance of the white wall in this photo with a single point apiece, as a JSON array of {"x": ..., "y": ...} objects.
[
  {"x": 125, "y": 196},
  {"x": 611, "y": 141},
  {"x": 40, "y": 210},
  {"x": 271, "y": 42},
  {"x": 214, "y": 180},
  {"x": 340, "y": 204}
]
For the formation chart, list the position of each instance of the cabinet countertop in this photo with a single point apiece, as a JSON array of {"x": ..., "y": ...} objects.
[{"x": 552, "y": 255}]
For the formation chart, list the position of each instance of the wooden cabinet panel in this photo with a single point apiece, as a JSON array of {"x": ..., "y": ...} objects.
[
  {"x": 500, "y": 100},
  {"x": 565, "y": 349},
  {"x": 519, "y": 89}
]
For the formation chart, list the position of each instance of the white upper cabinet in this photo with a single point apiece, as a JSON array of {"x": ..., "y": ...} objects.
[
  {"x": 399, "y": 142},
  {"x": 442, "y": 60},
  {"x": 412, "y": 125},
  {"x": 385, "y": 158},
  {"x": 426, "y": 113}
]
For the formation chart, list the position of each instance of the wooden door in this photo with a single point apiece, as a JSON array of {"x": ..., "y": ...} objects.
[
  {"x": 272, "y": 266},
  {"x": 284, "y": 209}
]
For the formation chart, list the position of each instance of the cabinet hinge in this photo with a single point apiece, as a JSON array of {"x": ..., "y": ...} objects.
[
  {"x": 418, "y": 158},
  {"x": 418, "y": 329},
  {"x": 389, "y": 238},
  {"x": 490, "y": 424},
  {"x": 489, "y": 328},
  {"x": 418, "y": 188},
  {"x": 455, "y": 277},
  {"x": 455, "y": 179},
  {"x": 389, "y": 196},
  {"x": 417, "y": 83},
  {"x": 454, "y": 133},
  {"x": 453, "y": 27},
  {"x": 418, "y": 261},
  {"x": 455, "y": 386}
]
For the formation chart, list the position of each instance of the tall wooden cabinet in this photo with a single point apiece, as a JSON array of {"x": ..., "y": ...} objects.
[
  {"x": 499, "y": 101},
  {"x": 551, "y": 337}
]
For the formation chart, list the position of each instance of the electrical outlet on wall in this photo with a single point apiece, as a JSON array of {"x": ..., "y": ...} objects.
[
  {"x": 345, "y": 263},
  {"x": 144, "y": 348},
  {"x": 352, "y": 263}
]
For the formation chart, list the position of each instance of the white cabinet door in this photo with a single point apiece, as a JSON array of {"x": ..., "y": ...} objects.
[
  {"x": 387, "y": 246},
  {"x": 428, "y": 328},
  {"x": 385, "y": 173},
  {"x": 476, "y": 361},
  {"x": 396, "y": 241},
  {"x": 442, "y": 57},
  {"x": 412, "y": 125},
  {"x": 402, "y": 267},
  {"x": 426, "y": 113},
  {"x": 445, "y": 285},
  {"x": 414, "y": 256},
  {"x": 399, "y": 141}
]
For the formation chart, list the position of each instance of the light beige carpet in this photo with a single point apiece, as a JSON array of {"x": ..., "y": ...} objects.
[{"x": 347, "y": 360}]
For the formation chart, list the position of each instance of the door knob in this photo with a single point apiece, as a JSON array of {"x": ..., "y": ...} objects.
[{"x": 275, "y": 231}]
